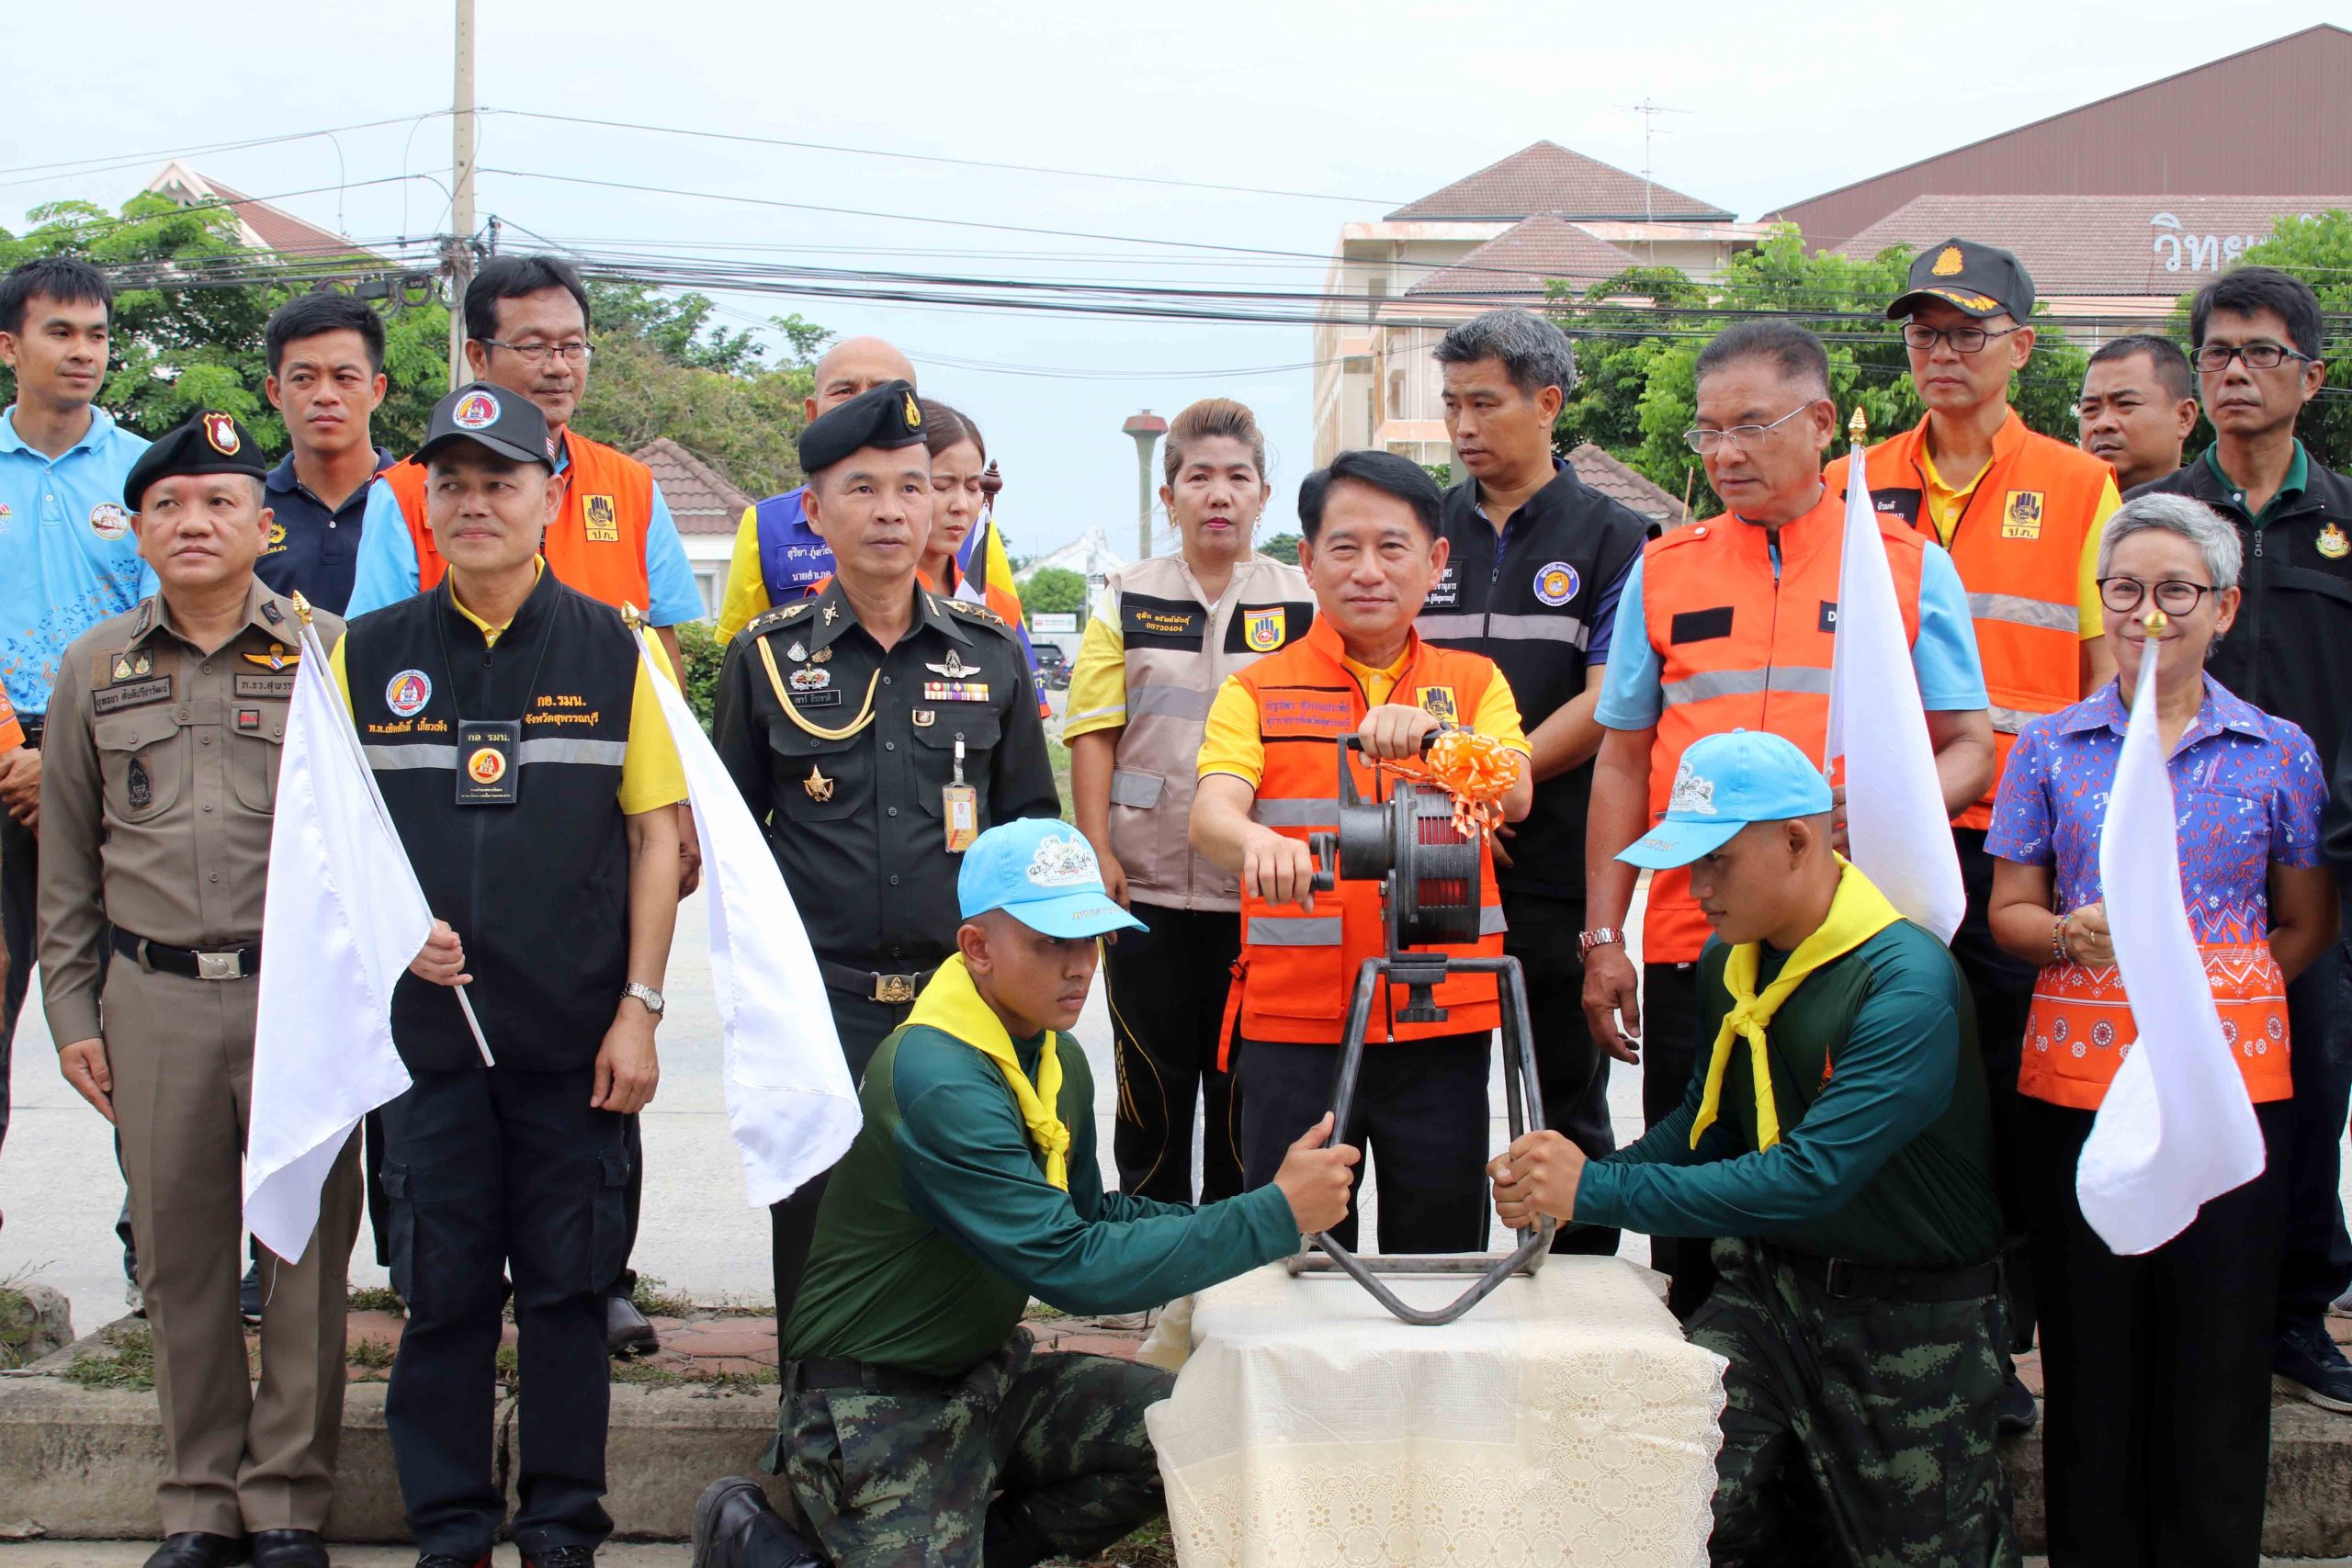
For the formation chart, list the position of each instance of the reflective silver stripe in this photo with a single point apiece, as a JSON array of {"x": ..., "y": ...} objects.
[
  {"x": 1119, "y": 708},
  {"x": 597, "y": 753},
  {"x": 2010, "y": 720},
  {"x": 1491, "y": 922},
  {"x": 1451, "y": 626},
  {"x": 1157, "y": 698},
  {"x": 1808, "y": 677},
  {"x": 1294, "y": 930},
  {"x": 1304, "y": 813},
  {"x": 2019, "y": 610},
  {"x": 387, "y": 759},
  {"x": 1538, "y": 628}
]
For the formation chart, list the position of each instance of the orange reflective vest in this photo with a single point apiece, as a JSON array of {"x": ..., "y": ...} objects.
[
  {"x": 1743, "y": 647},
  {"x": 596, "y": 545},
  {"x": 1297, "y": 969},
  {"x": 2018, "y": 546}
]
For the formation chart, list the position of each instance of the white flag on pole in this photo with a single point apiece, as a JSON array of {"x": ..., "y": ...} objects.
[
  {"x": 790, "y": 1103},
  {"x": 343, "y": 917},
  {"x": 2176, "y": 1127},
  {"x": 1897, "y": 832}
]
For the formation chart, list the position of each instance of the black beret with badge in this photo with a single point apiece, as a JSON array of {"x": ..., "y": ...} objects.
[
  {"x": 506, "y": 423},
  {"x": 887, "y": 416},
  {"x": 211, "y": 443},
  {"x": 1982, "y": 280}
]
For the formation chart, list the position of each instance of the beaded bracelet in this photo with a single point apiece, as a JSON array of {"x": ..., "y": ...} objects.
[{"x": 2058, "y": 951}]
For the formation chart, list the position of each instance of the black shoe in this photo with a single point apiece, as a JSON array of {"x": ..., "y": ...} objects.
[
  {"x": 443, "y": 1559},
  {"x": 2014, "y": 1413},
  {"x": 560, "y": 1557},
  {"x": 289, "y": 1549},
  {"x": 249, "y": 1294},
  {"x": 732, "y": 1519},
  {"x": 625, "y": 1331},
  {"x": 2312, "y": 1366},
  {"x": 198, "y": 1548}
]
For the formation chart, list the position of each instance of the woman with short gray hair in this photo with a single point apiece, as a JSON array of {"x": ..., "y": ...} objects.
[{"x": 2156, "y": 1366}]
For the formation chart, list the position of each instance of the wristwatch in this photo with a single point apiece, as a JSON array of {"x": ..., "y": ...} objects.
[
  {"x": 1605, "y": 936},
  {"x": 646, "y": 994}
]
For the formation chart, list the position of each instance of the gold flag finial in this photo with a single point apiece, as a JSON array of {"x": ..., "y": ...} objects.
[
  {"x": 1857, "y": 427},
  {"x": 629, "y": 618},
  {"x": 302, "y": 608},
  {"x": 2155, "y": 621}
]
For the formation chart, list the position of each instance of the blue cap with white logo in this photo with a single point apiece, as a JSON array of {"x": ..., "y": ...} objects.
[
  {"x": 1043, "y": 874},
  {"x": 1725, "y": 781}
]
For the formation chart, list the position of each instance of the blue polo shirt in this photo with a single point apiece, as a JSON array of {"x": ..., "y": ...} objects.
[
  {"x": 312, "y": 550},
  {"x": 68, "y": 558},
  {"x": 387, "y": 569}
]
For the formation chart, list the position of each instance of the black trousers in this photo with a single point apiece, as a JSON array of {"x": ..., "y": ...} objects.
[
  {"x": 1167, "y": 988},
  {"x": 862, "y": 1024},
  {"x": 1420, "y": 1114},
  {"x": 2001, "y": 987},
  {"x": 492, "y": 1173},
  {"x": 1670, "y": 1047},
  {"x": 19, "y": 901},
  {"x": 2316, "y": 1266},
  {"x": 1573, "y": 1071},
  {"x": 2155, "y": 1435}
]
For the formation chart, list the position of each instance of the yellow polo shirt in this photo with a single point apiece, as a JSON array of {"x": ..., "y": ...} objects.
[{"x": 1946, "y": 502}]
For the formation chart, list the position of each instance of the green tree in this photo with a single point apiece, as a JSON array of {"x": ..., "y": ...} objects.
[
  {"x": 2318, "y": 251},
  {"x": 1055, "y": 589},
  {"x": 1281, "y": 547}
]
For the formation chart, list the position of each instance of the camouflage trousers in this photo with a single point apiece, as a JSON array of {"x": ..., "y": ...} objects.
[
  {"x": 1855, "y": 1431},
  {"x": 1024, "y": 1457}
]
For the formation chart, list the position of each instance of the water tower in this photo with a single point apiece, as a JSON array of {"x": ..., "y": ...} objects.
[{"x": 1146, "y": 428}]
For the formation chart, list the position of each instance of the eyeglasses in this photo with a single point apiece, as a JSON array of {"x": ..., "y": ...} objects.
[
  {"x": 1706, "y": 441},
  {"x": 2174, "y": 596},
  {"x": 538, "y": 353},
  {"x": 2214, "y": 357},
  {"x": 1921, "y": 338}
]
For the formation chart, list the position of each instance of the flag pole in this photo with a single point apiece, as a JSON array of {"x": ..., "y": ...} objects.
[{"x": 349, "y": 729}]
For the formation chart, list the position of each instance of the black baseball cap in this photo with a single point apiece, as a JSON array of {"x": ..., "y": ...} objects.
[
  {"x": 887, "y": 416},
  {"x": 1980, "y": 280},
  {"x": 493, "y": 418},
  {"x": 211, "y": 443}
]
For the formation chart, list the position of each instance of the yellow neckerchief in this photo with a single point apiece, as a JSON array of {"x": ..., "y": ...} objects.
[
  {"x": 952, "y": 1004},
  {"x": 1858, "y": 912}
]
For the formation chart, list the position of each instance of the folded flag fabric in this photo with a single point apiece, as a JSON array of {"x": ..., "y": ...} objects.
[{"x": 987, "y": 579}]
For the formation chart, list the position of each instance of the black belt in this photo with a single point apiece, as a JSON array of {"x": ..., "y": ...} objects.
[
  {"x": 1839, "y": 1279},
  {"x": 231, "y": 964},
  {"x": 874, "y": 987},
  {"x": 833, "y": 1371}
]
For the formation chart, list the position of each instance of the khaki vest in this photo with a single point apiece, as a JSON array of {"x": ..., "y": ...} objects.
[{"x": 1178, "y": 651}]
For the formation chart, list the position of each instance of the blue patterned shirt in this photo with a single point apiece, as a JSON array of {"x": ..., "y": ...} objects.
[{"x": 68, "y": 558}]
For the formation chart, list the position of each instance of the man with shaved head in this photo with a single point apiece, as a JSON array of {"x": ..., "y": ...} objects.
[{"x": 778, "y": 557}]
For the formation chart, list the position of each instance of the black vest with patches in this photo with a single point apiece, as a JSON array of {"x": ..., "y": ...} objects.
[{"x": 538, "y": 891}]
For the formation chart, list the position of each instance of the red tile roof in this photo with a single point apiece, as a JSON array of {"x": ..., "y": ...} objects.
[
  {"x": 267, "y": 226},
  {"x": 1547, "y": 177},
  {"x": 700, "y": 497},
  {"x": 1512, "y": 267},
  {"x": 2096, "y": 244},
  {"x": 1615, "y": 480}
]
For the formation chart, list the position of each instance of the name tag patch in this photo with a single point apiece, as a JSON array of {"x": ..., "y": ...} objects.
[
  {"x": 1829, "y": 614},
  {"x": 1304, "y": 716},
  {"x": 1700, "y": 625},
  {"x": 263, "y": 685},
  {"x": 132, "y": 694},
  {"x": 1146, "y": 622},
  {"x": 816, "y": 699}
]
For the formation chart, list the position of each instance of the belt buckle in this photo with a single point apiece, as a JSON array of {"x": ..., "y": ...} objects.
[
  {"x": 894, "y": 988},
  {"x": 219, "y": 966},
  {"x": 1832, "y": 1285}
]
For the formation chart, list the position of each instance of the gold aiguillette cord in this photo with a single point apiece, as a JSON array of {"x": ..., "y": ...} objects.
[{"x": 864, "y": 712}]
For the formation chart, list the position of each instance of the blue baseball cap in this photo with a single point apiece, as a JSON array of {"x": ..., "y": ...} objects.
[
  {"x": 1043, "y": 874},
  {"x": 1725, "y": 781}
]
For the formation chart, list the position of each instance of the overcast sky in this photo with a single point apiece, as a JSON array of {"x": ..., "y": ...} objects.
[{"x": 1374, "y": 101}]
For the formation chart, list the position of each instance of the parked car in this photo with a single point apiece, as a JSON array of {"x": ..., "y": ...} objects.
[{"x": 1053, "y": 664}]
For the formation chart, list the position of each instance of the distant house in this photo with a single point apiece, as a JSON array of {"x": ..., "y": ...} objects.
[
  {"x": 708, "y": 509},
  {"x": 260, "y": 226},
  {"x": 1615, "y": 480}
]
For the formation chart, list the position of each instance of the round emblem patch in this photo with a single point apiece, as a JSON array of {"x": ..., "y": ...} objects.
[
  {"x": 407, "y": 692},
  {"x": 487, "y": 766},
  {"x": 1556, "y": 584},
  {"x": 476, "y": 411},
  {"x": 108, "y": 521}
]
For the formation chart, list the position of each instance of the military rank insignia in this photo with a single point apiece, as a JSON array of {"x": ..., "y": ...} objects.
[{"x": 131, "y": 664}]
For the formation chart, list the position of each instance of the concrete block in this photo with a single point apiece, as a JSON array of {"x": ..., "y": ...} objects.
[{"x": 667, "y": 1444}]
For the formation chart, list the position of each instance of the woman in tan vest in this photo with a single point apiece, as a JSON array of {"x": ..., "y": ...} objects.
[{"x": 1166, "y": 634}]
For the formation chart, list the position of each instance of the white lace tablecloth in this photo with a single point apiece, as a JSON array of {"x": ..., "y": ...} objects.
[{"x": 1564, "y": 1420}]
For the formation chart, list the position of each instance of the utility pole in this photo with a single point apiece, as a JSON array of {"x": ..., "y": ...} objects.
[
  {"x": 457, "y": 262},
  {"x": 1146, "y": 428}
]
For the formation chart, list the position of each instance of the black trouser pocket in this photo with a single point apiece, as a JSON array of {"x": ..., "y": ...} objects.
[
  {"x": 401, "y": 1231},
  {"x": 608, "y": 1223}
]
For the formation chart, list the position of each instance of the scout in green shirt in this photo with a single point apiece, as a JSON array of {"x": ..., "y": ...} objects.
[
  {"x": 1836, "y": 1137},
  {"x": 918, "y": 1423}
]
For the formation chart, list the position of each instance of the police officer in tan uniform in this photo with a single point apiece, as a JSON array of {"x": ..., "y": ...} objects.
[{"x": 160, "y": 774}]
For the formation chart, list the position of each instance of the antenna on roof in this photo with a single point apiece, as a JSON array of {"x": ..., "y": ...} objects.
[{"x": 1649, "y": 111}]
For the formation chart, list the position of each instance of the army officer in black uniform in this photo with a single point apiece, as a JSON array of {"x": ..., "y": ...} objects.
[{"x": 876, "y": 728}]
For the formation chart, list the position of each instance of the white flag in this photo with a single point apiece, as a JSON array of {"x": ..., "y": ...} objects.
[
  {"x": 790, "y": 1103},
  {"x": 343, "y": 919},
  {"x": 2176, "y": 1127},
  {"x": 1897, "y": 832}
]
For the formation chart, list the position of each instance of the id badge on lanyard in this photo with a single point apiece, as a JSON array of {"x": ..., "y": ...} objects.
[
  {"x": 959, "y": 805},
  {"x": 487, "y": 774}
]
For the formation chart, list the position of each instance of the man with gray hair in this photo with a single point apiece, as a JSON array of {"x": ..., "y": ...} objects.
[{"x": 1537, "y": 560}]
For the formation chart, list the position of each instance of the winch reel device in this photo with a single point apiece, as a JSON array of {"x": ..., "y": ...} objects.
[{"x": 1429, "y": 874}]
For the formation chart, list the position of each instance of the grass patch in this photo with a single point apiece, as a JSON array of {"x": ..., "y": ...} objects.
[
  {"x": 374, "y": 1298},
  {"x": 655, "y": 1299},
  {"x": 1040, "y": 1312},
  {"x": 128, "y": 1362},
  {"x": 16, "y": 1327},
  {"x": 1058, "y": 755},
  {"x": 1147, "y": 1548},
  {"x": 376, "y": 1355},
  {"x": 645, "y": 1374}
]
